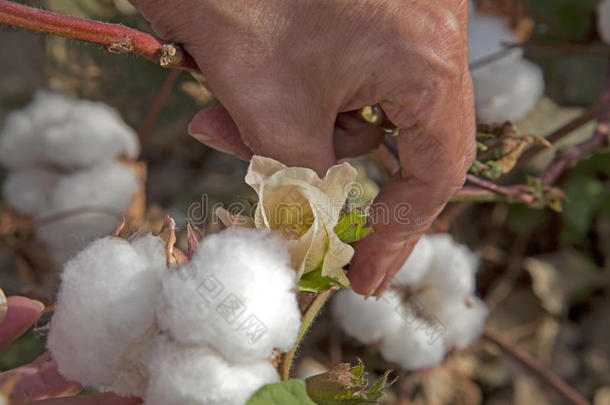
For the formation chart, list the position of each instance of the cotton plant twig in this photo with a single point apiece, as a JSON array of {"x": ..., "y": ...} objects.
[
  {"x": 157, "y": 104},
  {"x": 515, "y": 191},
  {"x": 573, "y": 154},
  {"x": 561, "y": 132},
  {"x": 310, "y": 315},
  {"x": 539, "y": 369},
  {"x": 115, "y": 38}
]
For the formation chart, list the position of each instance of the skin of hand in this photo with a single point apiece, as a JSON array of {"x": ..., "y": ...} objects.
[
  {"x": 39, "y": 382},
  {"x": 290, "y": 74}
]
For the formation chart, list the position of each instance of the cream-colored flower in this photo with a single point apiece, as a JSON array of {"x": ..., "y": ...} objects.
[{"x": 305, "y": 209}]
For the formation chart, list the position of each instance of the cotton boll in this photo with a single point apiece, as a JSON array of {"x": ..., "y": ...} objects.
[
  {"x": 56, "y": 130},
  {"x": 105, "y": 303},
  {"x": 417, "y": 264},
  {"x": 368, "y": 320},
  {"x": 92, "y": 133},
  {"x": 464, "y": 322},
  {"x": 486, "y": 36},
  {"x": 526, "y": 87},
  {"x": 451, "y": 273},
  {"x": 151, "y": 248},
  {"x": 603, "y": 20},
  {"x": 238, "y": 294},
  {"x": 28, "y": 191},
  {"x": 19, "y": 147},
  {"x": 196, "y": 375},
  {"x": 413, "y": 347},
  {"x": 111, "y": 185}
]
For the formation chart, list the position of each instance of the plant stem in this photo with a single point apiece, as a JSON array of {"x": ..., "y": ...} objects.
[
  {"x": 115, "y": 38},
  {"x": 510, "y": 191},
  {"x": 559, "y": 385},
  {"x": 310, "y": 315},
  {"x": 576, "y": 153},
  {"x": 157, "y": 104}
]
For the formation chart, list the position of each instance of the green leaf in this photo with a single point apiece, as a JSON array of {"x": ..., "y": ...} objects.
[
  {"x": 314, "y": 282},
  {"x": 351, "y": 226},
  {"x": 291, "y": 392}
]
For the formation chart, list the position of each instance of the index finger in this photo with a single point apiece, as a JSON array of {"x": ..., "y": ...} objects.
[
  {"x": 22, "y": 313},
  {"x": 436, "y": 149}
]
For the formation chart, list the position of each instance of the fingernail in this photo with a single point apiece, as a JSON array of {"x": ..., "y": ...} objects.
[
  {"x": 40, "y": 305},
  {"x": 201, "y": 137}
]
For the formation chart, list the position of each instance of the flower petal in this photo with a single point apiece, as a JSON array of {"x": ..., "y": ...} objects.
[{"x": 260, "y": 169}]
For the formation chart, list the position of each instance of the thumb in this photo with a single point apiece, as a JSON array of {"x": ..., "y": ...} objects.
[{"x": 215, "y": 128}]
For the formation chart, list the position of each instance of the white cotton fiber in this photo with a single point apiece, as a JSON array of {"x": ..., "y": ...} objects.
[
  {"x": 450, "y": 276},
  {"x": 103, "y": 193},
  {"x": 413, "y": 348},
  {"x": 368, "y": 320},
  {"x": 105, "y": 304},
  {"x": 526, "y": 87},
  {"x": 28, "y": 191},
  {"x": 430, "y": 309},
  {"x": 464, "y": 322},
  {"x": 417, "y": 264},
  {"x": 603, "y": 20},
  {"x": 506, "y": 86},
  {"x": 55, "y": 130},
  {"x": 190, "y": 375},
  {"x": 238, "y": 294},
  {"x": 151, "y": 248}
]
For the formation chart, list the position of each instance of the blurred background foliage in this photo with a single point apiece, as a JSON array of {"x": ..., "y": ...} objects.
[{"x": 546, "y": 275}]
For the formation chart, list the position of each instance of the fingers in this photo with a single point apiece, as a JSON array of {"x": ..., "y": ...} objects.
[
  {"x": 22, "y": 313},
  {"x": 37, "y": 380},
  {"x": 354, "y": 137},
  {"x": 98, "y": 399},
  {"x": 215, "y": 128},
  {"x": 436, "y": 146}
]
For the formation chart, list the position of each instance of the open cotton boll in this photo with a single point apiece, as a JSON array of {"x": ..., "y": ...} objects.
[
  {"x": 417, "y": 264},
  {"x": 451, "y": 273},
  {"x": 603, "y": 20},
  {"x": 92, "y": 133},
  {"x": 413, "y": 347},
  {"x": 526, "y": 87},
  {"x": 237, "y": 294},
  {"x": 28, "y": 191},
  {"x": 486, "y": 36},
  {"x": 151, "y": 248},
  {"x": 106, "y": 303},
  {"x": 56, "y": 130},
  {"x": 111, "y": 185},
  {"x": 368, "y": 320},
  {"x": 197, "y": 375},
  {"x": 464, "y": 322}
]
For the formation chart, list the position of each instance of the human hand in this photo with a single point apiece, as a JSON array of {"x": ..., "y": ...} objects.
[
  {"x": 289, "y": 72},
  {"x": 39, "y": 382}
]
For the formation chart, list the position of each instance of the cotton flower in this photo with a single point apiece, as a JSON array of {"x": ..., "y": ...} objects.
[
  {"x": 104, "y": 316},
  {"x": 191, "y": 375},
  {"x": 237, "y": 295},
  {"x": 57, "y": 131},
  {"x": 430, "y": 309},
  {"x": 305, "y": 208}
]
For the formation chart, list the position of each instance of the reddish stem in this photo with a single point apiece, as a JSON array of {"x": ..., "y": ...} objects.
[
  {"x": 157, "y": 105},
  {"x": 576, "y": 153},
  {"x": 511, "y": 191},
  {"x": 559, "y": 385},
  {"x": 115, "y": 38}
]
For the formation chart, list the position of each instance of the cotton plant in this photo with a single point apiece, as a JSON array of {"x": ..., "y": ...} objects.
[
  {"x": 430, "y": 309},
  {"x": 506, "y": 85},
  {"x": 220, "y": 323},
  {"x": 68, "y": 169}
]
